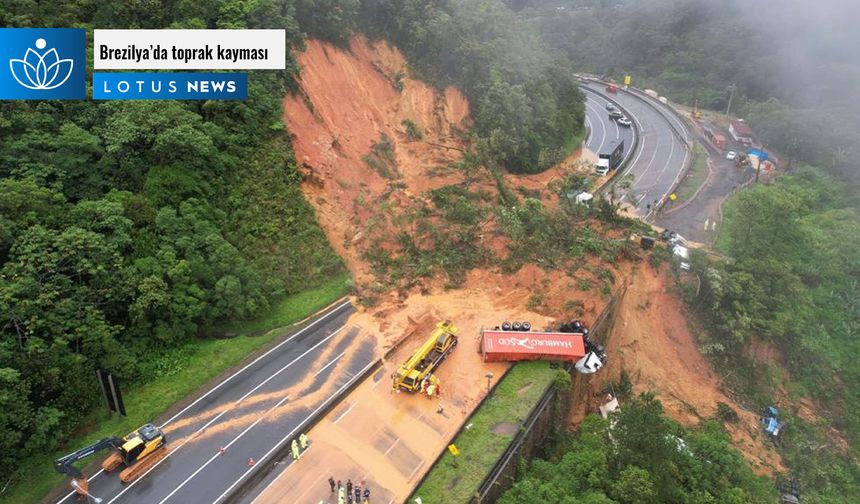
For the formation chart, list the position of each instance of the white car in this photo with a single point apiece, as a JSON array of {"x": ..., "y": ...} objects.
[
  {"x": 731, "y": 155},
  {"x": 625, "y": 122}
]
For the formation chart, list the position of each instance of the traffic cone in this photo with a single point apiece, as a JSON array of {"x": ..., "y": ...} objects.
[{"x": 251, "y": 462}]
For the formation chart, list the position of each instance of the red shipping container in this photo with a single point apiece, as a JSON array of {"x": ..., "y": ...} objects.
[{"x": 500, "y": 346}]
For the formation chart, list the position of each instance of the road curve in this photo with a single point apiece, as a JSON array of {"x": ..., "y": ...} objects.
[
  {"x": 658, "y": 162},
  {"x": 248, "y": 414},
  {"x": 602, "y": 129}
]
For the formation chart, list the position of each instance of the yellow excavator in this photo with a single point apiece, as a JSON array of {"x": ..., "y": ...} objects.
[
  {"x": 137, "y": 451},
  {"x": 426, "y": 358}
]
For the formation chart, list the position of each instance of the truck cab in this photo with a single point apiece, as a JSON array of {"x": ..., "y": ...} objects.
[{"x": 602, "y": 166}]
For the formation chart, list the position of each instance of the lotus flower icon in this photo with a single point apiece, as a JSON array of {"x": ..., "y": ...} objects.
[{"x": 41, "y": 71}]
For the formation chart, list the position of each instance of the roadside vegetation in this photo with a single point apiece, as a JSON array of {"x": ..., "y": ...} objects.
[
  {"x": 640, "y": 456},
  {"x": 179, "y": 372},
  {"x": 485, "y": 439},
  {"x": 694, "y": 178},
  {"x": 792, "y": 281}
]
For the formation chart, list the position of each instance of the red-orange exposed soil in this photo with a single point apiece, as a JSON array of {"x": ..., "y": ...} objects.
[
  {"x": 348, "y": 101},
  {"x": 651, "y": 340}
]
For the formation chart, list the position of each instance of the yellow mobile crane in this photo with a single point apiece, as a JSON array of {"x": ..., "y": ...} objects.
[{"x": 429, "y": 355}]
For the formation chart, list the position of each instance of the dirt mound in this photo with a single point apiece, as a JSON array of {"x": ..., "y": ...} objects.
[
  {"x": 350, "y": 130},
  {"x": 651, "y": 340}
]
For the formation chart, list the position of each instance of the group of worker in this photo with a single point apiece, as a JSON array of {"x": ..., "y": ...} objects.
[
  {"x": 349, "y": 494},
  {"x": 299, "y": 446}
]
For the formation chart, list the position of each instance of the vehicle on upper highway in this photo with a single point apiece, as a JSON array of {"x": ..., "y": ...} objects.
[
  {"x": 615, "y": 114},
  {"x": 625, "y": 122},
  {"x": 609, "y": 158},
  {"x": 610, "y": 106},
  {"x": 612, "y": 88}
]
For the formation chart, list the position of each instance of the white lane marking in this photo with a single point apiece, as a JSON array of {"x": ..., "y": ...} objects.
[
  {"x": 415, "y": 470},
  {"x": 657, "y": 178},
  {"x": 218, "y": 453},
  {"x": 216, "y": 387},
  {"x": 602, "y": 126},
  {"x": 641, "y": 144},
  {"x": 293, "y": 432},
  {"x": 650, "y": 162},
  {"x": 589, "y": 128},
  {"x": 675, "y": 180},
  {"x": 235, "y": 404},
  {"x": 395, "y": 443},
  {"x": 329, "y": 364},
  {"x": 338, "y": 419}
]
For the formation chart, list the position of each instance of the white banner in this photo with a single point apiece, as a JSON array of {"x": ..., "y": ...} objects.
[{"x": 190, "y": 49}]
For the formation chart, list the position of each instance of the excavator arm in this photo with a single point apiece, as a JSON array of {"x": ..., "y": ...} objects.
[{"x": 64, "y": 465}]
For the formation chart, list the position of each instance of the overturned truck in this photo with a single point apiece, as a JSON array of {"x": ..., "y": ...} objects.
[{"x": 514, "y": 342}]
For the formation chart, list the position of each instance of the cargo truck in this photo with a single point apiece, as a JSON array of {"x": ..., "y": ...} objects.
[
  {"x": 610, "y": 157},
  {"x": 570, "y": 344}
]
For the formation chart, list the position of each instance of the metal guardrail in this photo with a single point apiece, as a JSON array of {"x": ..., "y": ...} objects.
[{"x": 663, "y": 110}]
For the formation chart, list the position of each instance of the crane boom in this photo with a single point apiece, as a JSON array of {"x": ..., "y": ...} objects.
[{"x": 426, "y": 358}]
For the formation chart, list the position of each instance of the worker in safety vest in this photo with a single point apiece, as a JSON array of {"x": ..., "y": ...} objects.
[
  {"x": 294, "y": 448},
  {"x": 303, "y": 441}
]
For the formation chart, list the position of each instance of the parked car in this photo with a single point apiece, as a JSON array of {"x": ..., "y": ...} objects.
[
  {"x": 625, "y": 122},
  {"x": 610, "y": 106},
  {"x": 731, "y": 155}
]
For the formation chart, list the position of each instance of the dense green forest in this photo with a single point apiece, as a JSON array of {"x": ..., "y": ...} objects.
[
  {"x": 129, "y": 230},
  {"x": 794, "y": 64},
  {"x": 640, "y": 456},
  {"x": 794, "y": 280},
  {"x": 526, "y": 104}
]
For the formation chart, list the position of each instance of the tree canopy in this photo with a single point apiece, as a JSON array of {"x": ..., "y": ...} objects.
[{"x": 639, "y": 456}]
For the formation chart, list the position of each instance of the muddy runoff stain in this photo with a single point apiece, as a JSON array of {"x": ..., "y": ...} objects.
[{"x": 312, "y": 388}]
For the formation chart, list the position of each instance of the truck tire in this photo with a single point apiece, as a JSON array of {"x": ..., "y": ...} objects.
[
  {"x": 516, "y": 326},
  {"x": 506, "y": 326},
  {"x": 527, "y": 326}
]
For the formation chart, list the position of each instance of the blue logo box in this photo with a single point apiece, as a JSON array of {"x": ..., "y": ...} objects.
[
  {"x": 170, "y": 86},
  {"x": 43, "y": 63}
]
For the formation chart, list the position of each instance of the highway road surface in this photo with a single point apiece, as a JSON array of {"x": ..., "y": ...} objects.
[
  {"x": 602, "y": 129},
  {"x": 657, "y": 164},
  {"x": 247, "y": 415}
]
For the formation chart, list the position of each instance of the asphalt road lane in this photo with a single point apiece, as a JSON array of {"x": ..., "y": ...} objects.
[
  {"x": 247, "y": 414},
  {"x": 602, "y": 129},
  {"x": 661, "y": 156}
]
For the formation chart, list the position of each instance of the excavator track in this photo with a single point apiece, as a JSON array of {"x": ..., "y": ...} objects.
[
  {"x": 130, "y": 474},
  {"x": 112, "y": 461}
]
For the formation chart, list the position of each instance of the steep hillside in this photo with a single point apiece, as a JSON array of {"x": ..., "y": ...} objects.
[{"x": 351, "y": 141}]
